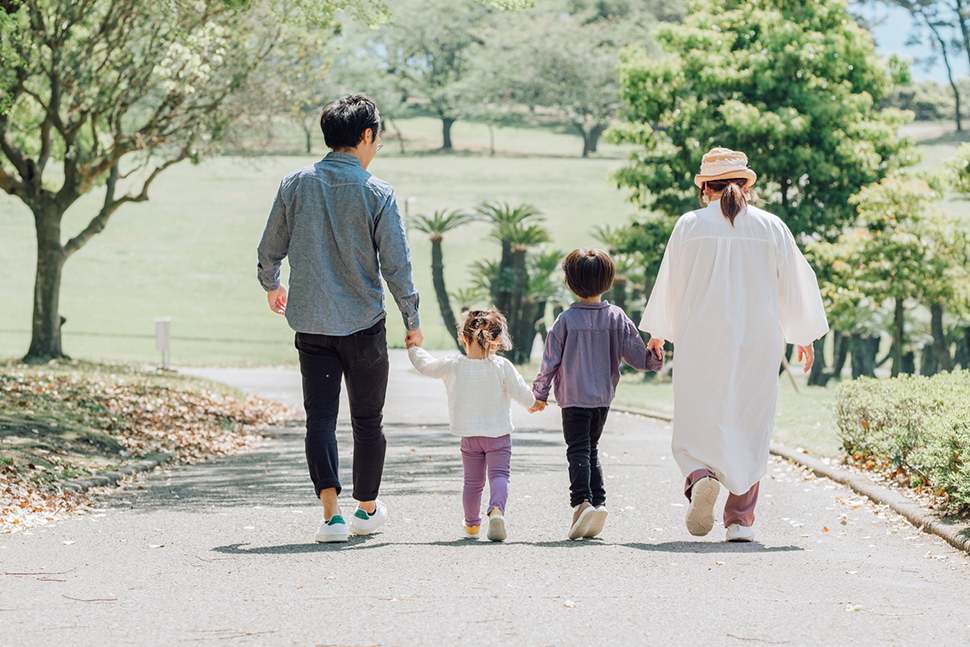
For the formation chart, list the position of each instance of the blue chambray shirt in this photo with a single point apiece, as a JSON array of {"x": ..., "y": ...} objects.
[{"x": 341, "y": 230}]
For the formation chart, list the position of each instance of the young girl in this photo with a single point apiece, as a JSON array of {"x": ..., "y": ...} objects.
[{"x": 480, "y": 388}]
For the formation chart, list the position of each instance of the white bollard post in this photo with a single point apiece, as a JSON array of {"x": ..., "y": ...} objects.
[{"x": 163, "y": 336}]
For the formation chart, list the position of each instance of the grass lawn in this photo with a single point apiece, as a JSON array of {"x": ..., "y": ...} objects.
[{"x": 189, "y": 253}]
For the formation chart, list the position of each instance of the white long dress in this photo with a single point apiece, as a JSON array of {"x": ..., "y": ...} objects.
[{"x": 728, "y": 297}]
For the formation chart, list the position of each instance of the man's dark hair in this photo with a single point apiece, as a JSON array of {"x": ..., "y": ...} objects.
[
  {"x": 589, "y": 272},
  {"x": 345, "y": 120}
]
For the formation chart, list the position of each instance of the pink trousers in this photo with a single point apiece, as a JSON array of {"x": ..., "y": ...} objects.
[{"x": 738, "y": 509}]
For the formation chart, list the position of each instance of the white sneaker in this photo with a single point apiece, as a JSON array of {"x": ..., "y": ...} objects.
[
  {"x": 362, "y": 523},
  {"x": 700, "y": 512},
  {"x": 737, "y": 532},
  {"x": 581, "y": 526},
  {"x": 332, "y": 531},
  {"x": 598, "y": 521},
  {"x": 496, "y": 527}
]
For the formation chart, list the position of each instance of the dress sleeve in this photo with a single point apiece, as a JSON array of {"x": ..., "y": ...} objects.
[
  {"x": 660, "y": 315},
  {"x": 800, "y": 305},
  {"x": 516, "y": 387},
  {"x": 428, "y": 365}
]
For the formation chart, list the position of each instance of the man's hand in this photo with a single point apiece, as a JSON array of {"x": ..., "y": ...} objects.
[
  {"x": 277, "y": 300},
  {"x": 808, "y": 353},
  {"x": 538, "y": 406},
  {"x": 657, "y": 346},
  {"x": 413, "y": 338}
]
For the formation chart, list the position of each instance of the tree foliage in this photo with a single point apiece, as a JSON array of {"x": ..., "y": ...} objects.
[
  {"x": 791, "y": 83},
  {"x": 115, "y": 92}
]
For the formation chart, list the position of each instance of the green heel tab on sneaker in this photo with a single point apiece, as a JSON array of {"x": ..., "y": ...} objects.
[
  {"x": 335, "y": 519},
  {"x": 362, "y": 514}
]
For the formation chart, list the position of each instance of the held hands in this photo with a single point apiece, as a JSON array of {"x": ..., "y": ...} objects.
[
  {"x": 277, "y": 300},
  {"x": 656, "y": 346},
  {"x": 808, "y": 354},
  {"x": 538, "y": 406},
  {"x": 413, "y": 338}
]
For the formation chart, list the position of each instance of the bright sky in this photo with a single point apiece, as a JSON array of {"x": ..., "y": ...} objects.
[{"x": 893, "y": 32}]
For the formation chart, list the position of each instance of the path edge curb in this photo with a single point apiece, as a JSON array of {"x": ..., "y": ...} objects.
[
  {"x": 913, "y": 512},
  {"x": 104, "y": 479}
]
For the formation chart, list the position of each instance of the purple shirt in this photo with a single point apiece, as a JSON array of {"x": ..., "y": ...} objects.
[{"x": 583, "y": 353}]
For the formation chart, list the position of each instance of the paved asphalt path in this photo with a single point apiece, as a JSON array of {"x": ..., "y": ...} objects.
[{"x": 222, "y": 554}]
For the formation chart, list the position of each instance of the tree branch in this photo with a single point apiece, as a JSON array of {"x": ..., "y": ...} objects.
[{"x": 110, "y": 205}]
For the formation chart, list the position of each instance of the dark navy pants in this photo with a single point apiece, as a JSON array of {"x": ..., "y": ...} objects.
[{"x": 361, "y": 361}]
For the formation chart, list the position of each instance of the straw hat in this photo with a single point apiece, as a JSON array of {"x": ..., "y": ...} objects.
[{"x": 724, "y": 164}]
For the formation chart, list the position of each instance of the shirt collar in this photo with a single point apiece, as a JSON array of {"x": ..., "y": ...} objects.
[
  {"x": 346, "y": 158},
  {"x": 592, "y": 306}
]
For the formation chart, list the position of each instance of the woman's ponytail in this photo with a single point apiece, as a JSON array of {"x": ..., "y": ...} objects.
[{"x": 732, "y": 198}]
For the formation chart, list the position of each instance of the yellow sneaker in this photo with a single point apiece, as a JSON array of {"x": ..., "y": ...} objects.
[{"x": 471, "y": 532}]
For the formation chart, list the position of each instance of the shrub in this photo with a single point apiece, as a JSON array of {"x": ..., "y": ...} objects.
[{"x": 913, "y": 426}]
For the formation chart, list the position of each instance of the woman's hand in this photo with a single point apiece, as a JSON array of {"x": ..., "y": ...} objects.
[
  {"x": 657, "y": 346},
  {"x": 538, "y": 406},
  {"x": 808, "y": 353}
]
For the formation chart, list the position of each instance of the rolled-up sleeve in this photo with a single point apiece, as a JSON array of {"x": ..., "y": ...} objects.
[
  {"x": 395, "y": 257},
  {"x": 274, "y": 245}
]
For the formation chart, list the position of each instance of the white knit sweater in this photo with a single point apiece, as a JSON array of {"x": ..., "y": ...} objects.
[{"x": 480, "y": 391}]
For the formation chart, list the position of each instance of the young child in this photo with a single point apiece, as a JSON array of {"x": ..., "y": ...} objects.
[
  {"x": 480, "y": 388},
  {"x": 582, "y": 361}
]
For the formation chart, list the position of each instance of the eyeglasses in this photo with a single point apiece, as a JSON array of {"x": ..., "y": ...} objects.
[{"x": 379, "y": 147}]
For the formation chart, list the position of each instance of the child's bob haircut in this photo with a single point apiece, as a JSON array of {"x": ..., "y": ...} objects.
[
  {"x": 488, "y": 328},
  {"x": 589, "y": 272}
]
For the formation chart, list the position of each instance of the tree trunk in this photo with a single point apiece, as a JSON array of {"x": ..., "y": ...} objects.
[
  {"x": 491, "y": 138},
  {"x": 898, "y": 320},
  {"x": 45, "y": 341},
  {"x": 517, "y": 297},
  {"x": 818, "y": 375},
  {"x": 594, "y": 136},
  {"x": 840, "y": 351},
  {"x": 619, "y": 296},
  {"x": 941, "y": 349},
  {"x": 941, "y": 43},
  {"x": 541, "y": 320},
  {"x": 309, "y": 143},
  {"x": 501, "y": 294},
  {"x": 525, "y": 332},
  {"x": 863, "y": 357},
  {"x": 444, "y": 302},
  {"x": 964, "y": 27},
  {"x": 446, "y": 124}
]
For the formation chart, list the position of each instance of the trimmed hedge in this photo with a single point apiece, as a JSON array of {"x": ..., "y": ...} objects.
[{"x": 916, "y": 427}]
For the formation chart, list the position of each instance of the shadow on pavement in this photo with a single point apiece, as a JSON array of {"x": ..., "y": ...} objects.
[
  {"x": 713, "y": 547},
  {"x": 353, "y": 543},
  {"x": 420, "y": 460}
]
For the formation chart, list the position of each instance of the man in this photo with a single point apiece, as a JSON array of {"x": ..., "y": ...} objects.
[{"x": 341, "y": 230}]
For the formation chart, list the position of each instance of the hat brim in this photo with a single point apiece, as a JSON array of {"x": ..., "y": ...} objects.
[{"x": 747, "y": 173}]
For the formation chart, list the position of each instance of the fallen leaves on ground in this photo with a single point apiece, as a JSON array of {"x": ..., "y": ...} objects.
[{"x": 143, "y": 411}]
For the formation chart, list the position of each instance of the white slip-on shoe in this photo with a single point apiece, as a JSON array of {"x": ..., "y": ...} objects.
[
  {"x": 700, "y": 512},
  {"x": 737, "y": 532},
  {"x": 599, "y": 520},
  {"x": 581, "y": 526},
  {"x": 496, "y": 527},
  {"x": 331, "y": 531},
  {"x": 362, "y": 523}
]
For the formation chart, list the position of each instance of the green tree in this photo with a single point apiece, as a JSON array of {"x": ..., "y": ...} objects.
[
  {"x": 790, "y": 82},
  {"x": 430, "y": 47},
  {"x": 436, "y": 226},
  {"x": 115, "y": 92}
]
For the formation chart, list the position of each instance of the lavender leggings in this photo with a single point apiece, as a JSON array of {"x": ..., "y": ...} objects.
[{"x": 480, "y": 454}]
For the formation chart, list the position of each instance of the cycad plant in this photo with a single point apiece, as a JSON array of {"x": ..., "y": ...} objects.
[
  {"x": 436, "y": 226},
  {"x": 517, "y": 229}
]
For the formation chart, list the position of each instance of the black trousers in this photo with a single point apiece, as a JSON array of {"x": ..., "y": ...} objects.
[
  {"x": 361, "y": 360},
  {"x": 582, "y": 429}
]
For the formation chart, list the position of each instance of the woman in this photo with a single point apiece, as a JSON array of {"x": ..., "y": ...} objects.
[{"x": 732, "y": 288}]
